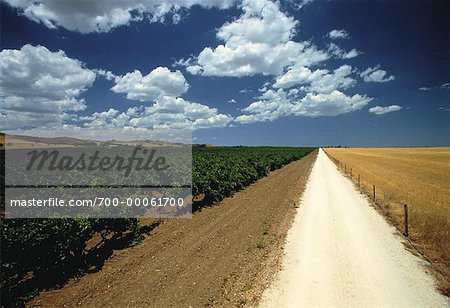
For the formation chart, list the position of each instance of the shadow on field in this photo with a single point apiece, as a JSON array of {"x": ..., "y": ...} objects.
[{"x": 92, "y": 261}]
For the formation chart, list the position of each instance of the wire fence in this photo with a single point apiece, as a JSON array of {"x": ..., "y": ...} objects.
[{"x": 371, "y": 193}]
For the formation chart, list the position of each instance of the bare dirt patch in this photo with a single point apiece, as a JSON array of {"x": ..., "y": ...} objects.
[{"x": 223, "y": 256}]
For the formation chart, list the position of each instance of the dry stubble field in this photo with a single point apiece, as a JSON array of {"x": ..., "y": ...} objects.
[{"x": 419, "y": 177}]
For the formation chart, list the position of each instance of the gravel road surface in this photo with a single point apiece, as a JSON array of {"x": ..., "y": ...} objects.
[{"x": 341, "y": 253}]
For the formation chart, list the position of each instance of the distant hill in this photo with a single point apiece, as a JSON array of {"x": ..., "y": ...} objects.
[
  {"x": 25, "y": 142},
  {"x": 55, "y": 140}
]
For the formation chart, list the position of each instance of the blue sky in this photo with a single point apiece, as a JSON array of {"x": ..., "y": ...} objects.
[{"x": 356, "y": 73}]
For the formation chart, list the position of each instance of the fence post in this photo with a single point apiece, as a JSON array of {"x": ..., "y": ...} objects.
[
  {"x": 373, "y": 192},
  {"x": 405, "y": 208},
  {"x": 359, "y": 181}
]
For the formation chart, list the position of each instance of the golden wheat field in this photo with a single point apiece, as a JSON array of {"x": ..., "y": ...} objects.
[{"x": 419, "y": 177}]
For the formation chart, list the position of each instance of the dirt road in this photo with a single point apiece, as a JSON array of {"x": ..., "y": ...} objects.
[
  {"x": 341, "y": 253},
  {"x": 223, "y": 256}
]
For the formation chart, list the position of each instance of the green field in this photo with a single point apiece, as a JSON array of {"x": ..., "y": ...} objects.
[{"x": 58, "y": 246}]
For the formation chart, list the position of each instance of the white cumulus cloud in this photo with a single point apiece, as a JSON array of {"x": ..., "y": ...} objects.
[
  {"x": 36, "y": 71},
  {"x": 258, "y": 42},
  {"x": 338, "y": 79},
  {"x": 320, "y": 80},
  {"x": 298, "y": 75},
  {"x": 40, "y": 87},
  {"x": 330, "y": 104},
  {"x": 274, "y": 104},
  {"x": 89, "y": 16},
  {"x": 375, "y": 74},
  {"x": 378, "y": 110},
  {"x": 159, "y": 82},
  {"x": 338, "y": 34},
  {"x": 340, "y": 53},
  {"x": 40, "y": 93},
  {"x": 108, "y": 75},
  {"x": 166, "y": 112}
]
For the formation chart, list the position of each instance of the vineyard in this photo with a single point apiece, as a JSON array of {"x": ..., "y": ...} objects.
[
  {"x": 218, "y": 172},
  {"x": 58, "y": 246}
]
